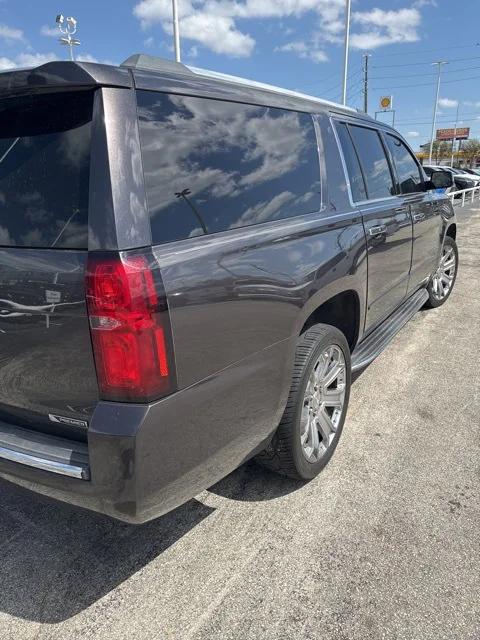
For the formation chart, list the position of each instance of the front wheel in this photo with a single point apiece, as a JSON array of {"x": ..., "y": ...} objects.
[
  {"x": 317, "y": 405},
  {"x": 443, "y": 280}
]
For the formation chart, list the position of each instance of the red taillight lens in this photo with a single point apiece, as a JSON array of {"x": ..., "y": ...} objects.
[{"x": 130, "y": 327}]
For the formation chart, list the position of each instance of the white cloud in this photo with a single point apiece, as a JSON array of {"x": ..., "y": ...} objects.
[
  {"x": 51, "y": 32},
  {"x": 86, "y": 57},
  {"x": 10, "y": 34},
  {"x": 149, "y": 42},
  {"x": 469, "y": 103},
  {"x": 385, "y": 27},
  {"x": 447, "y": 103},
  {"x": 213, "y": 22},
  {"x": 413, "y": 134},
  {"x": 304, "y": 50},
  {"x": 36, "y": 59},
  {"x": 6, "y": 63},
  {"x": 418, "y": 4},
  {"x": 218, "y": 33},
  {"x": 27, "y": 60}
]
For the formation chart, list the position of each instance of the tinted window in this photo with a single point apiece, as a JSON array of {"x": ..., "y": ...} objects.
[
  {"x": 357, "y": 184},
  {"x": 44, "y": 170},
  {"x": 374, "y": 162},
  {"x": 408, "y": 173},
  {"x": 211, "y": 165}
]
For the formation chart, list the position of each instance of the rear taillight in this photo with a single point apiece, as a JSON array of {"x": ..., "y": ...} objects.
[{"x": 130, "y": 327}]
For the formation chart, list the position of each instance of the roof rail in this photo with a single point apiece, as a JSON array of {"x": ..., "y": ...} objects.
[{"x": 152, "y": 63}]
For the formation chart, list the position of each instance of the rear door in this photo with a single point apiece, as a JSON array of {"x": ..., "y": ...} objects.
[
  {"x": 387, "y": 222},
  {"x": 426, "y": 218},
  {"x": 47, "y": 375}
]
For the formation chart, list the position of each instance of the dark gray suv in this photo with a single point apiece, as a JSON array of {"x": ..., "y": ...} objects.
[{"x": 191, "y": 266}]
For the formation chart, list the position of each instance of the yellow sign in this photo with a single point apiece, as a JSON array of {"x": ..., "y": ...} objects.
[{"x": 386, "y": 102}]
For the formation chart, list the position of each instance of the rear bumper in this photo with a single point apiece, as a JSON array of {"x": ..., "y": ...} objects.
[{"x": 143, "y": 460}]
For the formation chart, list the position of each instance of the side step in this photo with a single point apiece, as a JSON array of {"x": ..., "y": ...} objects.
[
  {"x": 375, "y": 343},
  {"x": 49, "y": 453}
]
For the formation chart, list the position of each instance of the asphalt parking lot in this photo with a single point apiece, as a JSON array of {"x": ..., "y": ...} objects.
[{"x": 384, "y": 544}]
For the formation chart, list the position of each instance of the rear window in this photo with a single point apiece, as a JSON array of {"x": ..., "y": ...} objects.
[
  {"x": 357, "y": 184},
  {"x": 44, "y": 170},
  {"x": 212, "y": 165},
  {"x": 374, "y": 162}
]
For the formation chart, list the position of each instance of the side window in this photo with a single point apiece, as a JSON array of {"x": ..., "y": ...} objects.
[
  {"x": 373, "y": 161},
  {"x": 409, "y": 176},
  {"x": 357, "y": 184},
  {"x": 212, "y": 165}
]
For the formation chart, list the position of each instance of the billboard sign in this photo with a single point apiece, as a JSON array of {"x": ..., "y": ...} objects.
[{"x": 461, "y": 133}]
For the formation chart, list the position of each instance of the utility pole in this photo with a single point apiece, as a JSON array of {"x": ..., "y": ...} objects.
[
  {"x": 440, "y": 63},
  {"x": 176, "y": 32},
  {"x": 345, "y": 54},
  {"x": 455, "y": 133},
  {"x": 365, "y": 81}
]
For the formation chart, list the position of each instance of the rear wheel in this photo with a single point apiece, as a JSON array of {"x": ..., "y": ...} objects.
[
  {"x": 443, "y": 280},
  {"x": 317, "y": 404}
]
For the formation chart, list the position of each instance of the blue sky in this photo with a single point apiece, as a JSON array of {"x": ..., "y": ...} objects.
[{"x": 292, "y": 43}]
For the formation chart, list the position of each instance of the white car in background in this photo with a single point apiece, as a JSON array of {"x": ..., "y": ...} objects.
[
  {"x": 462, "y": 180},
  {"x": 465, "y": 174}
]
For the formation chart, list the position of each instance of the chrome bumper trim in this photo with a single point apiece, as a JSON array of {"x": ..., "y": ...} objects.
[
  {"x": 44, "y": 451},
  {"x": 71, "y": 470}
]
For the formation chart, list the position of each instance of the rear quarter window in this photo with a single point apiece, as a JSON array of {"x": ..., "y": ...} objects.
[
  {"x": 212, "y": 165},
  {"x": 44, "y": 170}
]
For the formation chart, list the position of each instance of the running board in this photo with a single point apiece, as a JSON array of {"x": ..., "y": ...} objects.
[{"x": 376, "y": 342}]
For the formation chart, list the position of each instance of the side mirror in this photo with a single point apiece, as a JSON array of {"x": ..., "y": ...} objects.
[{"x": 441, "y": 179}]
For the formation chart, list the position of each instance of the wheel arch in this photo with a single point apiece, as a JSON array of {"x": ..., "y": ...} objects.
[
  {"x": 342, "y": 311},
  {"x": 451, "y": 231}
]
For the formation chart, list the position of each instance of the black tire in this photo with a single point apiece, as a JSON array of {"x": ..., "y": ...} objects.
[
  {"x": 433, "y": 301},
  {"x": 284, "y": 454}
]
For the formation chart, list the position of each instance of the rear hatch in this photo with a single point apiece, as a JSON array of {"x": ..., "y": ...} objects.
[{"x": 47, "y": 371}]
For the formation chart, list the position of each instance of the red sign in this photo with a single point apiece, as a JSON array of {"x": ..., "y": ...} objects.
[{"x": 461, "y": 133}]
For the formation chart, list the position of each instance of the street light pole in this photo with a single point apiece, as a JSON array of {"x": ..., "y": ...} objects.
[
  {"x": 176, "y": 31},
  {"x": 365, "y": 82},
  {"x": 345, "y": 54},
  {"x": 435, "y": 107}
]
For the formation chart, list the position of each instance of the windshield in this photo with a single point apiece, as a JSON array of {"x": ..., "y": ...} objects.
[{"x": 44, "y": 170}]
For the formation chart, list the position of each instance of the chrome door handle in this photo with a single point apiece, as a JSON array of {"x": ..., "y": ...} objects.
[
  {"x": 376, "y": 231},
  {"x": 417, "y": 217}
]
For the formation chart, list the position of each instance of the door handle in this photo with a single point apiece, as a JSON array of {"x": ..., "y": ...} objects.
[
  {"x": 401, "y": 210},
  {"x": 418, "y": 217},
  {"x": 376, "y": 231}
]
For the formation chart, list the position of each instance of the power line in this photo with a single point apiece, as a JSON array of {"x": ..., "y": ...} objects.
[
  {"x": 335, "y": 87},
  {"x": 423, "y": 84},
  {"x": 416, "y": 64},
  {"x": 404, "y": 123},
  {"x": 424, "y": 75},
  {"x": 446, "y": 47},
  {"x": 442, "y": 120},
  {"x": 330, "y": 76}
]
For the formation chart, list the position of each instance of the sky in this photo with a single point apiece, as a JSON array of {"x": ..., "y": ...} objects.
[{"x": 296, "y": 44}]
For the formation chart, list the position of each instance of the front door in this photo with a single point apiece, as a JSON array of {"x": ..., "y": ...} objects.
[
  {"x": 423, "y": 204},
  {"x": 388, "y": 228}
]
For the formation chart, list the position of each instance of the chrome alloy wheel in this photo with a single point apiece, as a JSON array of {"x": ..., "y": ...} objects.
[
  {"x": 323, "y": 403},
  {"x": 444, "y": 276}
]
